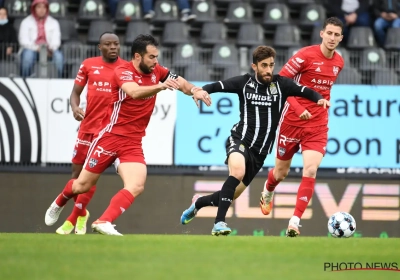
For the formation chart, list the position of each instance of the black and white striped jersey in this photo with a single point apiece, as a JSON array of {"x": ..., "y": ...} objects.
[{"x": 261, "y": 107}]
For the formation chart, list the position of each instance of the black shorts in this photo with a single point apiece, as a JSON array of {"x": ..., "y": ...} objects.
[{"x": 254, "y": 161}]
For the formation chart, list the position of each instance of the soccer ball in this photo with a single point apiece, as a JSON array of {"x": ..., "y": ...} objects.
[{"x": 341, "y": 224}]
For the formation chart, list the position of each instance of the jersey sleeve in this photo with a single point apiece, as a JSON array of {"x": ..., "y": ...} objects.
[
  {"x": 297, "y": 108},
  {"x": 294, "y": 65},
  {"x": 123, "y": 75},
  {"x": 165, "y": 73},
  {"x": 293, "y": 88},
  {"x": 82, "y": 75},
  {"x": 234, "y": 84}
]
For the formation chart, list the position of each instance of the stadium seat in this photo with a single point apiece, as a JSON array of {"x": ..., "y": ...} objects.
[
  {"x": 275, "y": 14},
  {"x": 134, "y": 29},
  {"x": 204, "y": 11},
  {"x": 58, "y": 8},
  {"x": 312, "y": 15},
  {"x": 361, "y": 38},
  {"x": 9, "y": 69},
  {"x": 96, "y": 28},
  {"x": 73, "y": 52},
  {"x": 263, "y": 2},
  {"x": 287, "y": 36},
  {"x": 385, "y": 76},
  {"x": 349, "y": 76},
  {"x": 165, "y": 11},
  {"x": 224, "y": 54},
  {"x": 345, "y": 55},
  {"x": 250, "y": 34},
  {"x": 293, "y": 50},
  {"x": 315, "y": 37},
  {"x": 185, "y": 54},
  {"x": 231, "y": 71},
  {"x": 128, "y": 10},
  {"x": 393, "y": 39},
  {"x": 68, "y": 30},
  {"x": 213, "y": 33},
  {"x": 91, "y": 10},
  {"x": 17, "y": 8},
  {"x": 372, "y": 59},
  {"x": 238, "y": 12},
  {"x": 197, "y": 72},
  {"x": 175, "y": 33},
  {"x": 297, "y": 3}
]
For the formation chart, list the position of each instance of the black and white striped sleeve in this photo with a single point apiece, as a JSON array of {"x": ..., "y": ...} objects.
[{"x": 234, "y": 85}]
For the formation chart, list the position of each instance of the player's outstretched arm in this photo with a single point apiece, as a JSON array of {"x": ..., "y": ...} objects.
[
  {"x": 234, "y": 85},
  {"x": 136, "y": 92},
  {"x": 196, "y": 92},
  {"x": 298, "y": 109},
  {"x": 292, "y": 88},
  {"x": 75, "y": 100}
]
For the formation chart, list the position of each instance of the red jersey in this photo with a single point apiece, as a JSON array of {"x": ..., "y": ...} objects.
[
  {"x": 127, "y": 116},
  {"x": 312, "y": 69},
  {"x": 98, "y": 75}
]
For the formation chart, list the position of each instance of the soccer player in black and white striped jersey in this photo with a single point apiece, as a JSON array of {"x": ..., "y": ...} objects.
[{"x": 262, "y": 97}]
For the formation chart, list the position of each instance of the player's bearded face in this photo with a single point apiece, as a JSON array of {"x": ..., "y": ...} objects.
[
  {"x": 264, "y": 70},
  {"x": 144, "y": 68},
  {"x": 149, "y": 60}
]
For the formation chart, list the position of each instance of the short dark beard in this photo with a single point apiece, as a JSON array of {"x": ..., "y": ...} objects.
[
  {"x": 261, "y": 79},
  {"x": 144, "y": 68}
]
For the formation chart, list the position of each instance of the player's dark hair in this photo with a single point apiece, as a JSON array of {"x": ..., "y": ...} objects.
[
  {"x": 141, "y": 42},
  {"x": 263, "y": 52},
  {"x": 105, "y": 33},
  {"x": 333, "y": 21}
]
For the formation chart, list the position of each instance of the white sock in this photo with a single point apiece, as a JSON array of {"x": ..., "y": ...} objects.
[{"x": 294, "y": 220}]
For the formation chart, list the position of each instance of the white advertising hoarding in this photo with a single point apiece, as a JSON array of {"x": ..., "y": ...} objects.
[{"x": 35, "y": 118}]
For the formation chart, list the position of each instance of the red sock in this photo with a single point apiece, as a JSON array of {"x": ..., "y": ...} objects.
[
  {"x": 80, "y": 205},
  {"x": 271, "y": 182},
  {"x": 118, "y": 204},
  {"x": 66, "y": 194},
  {"x": 304, "y": 195}
]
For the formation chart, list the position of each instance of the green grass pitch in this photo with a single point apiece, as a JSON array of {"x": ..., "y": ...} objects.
[{"x": 50, "y": 256}]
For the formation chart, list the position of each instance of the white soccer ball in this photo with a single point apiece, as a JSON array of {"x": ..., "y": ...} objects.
[{"x": 341, "y": 224}]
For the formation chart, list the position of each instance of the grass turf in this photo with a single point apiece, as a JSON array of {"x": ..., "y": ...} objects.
[{"x": 50, "y": 256}]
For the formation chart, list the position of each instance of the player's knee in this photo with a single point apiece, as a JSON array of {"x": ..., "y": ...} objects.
[
  {"x": 310, "y": 171},
  {"x": 238, "y": 173},
  {"x": 135, "y": 190},
  {"x": 280, "y": 173},
  {"x": 80, "y": 187}
]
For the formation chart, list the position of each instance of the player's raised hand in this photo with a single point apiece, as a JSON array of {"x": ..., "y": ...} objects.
[
  {"x": 305, "y": 115},
  {"x": 202, "y": 95},
  {"x": 323, "y": 102},
  {"x": 170, "y": 84},
  {"x": 79, "y": 114}
]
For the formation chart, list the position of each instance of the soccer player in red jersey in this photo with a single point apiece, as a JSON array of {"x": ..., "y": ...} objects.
[
  {"x": 134, "y": 88},
  {"x": 97, "y": 74},
  {"x": 305, "y": 125}
]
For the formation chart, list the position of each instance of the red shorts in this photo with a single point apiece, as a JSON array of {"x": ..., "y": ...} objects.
[
  {"x": 292, "y": 138},
  {"x": 107, "y": 147},
  {"x": 81, "y": 148}
]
